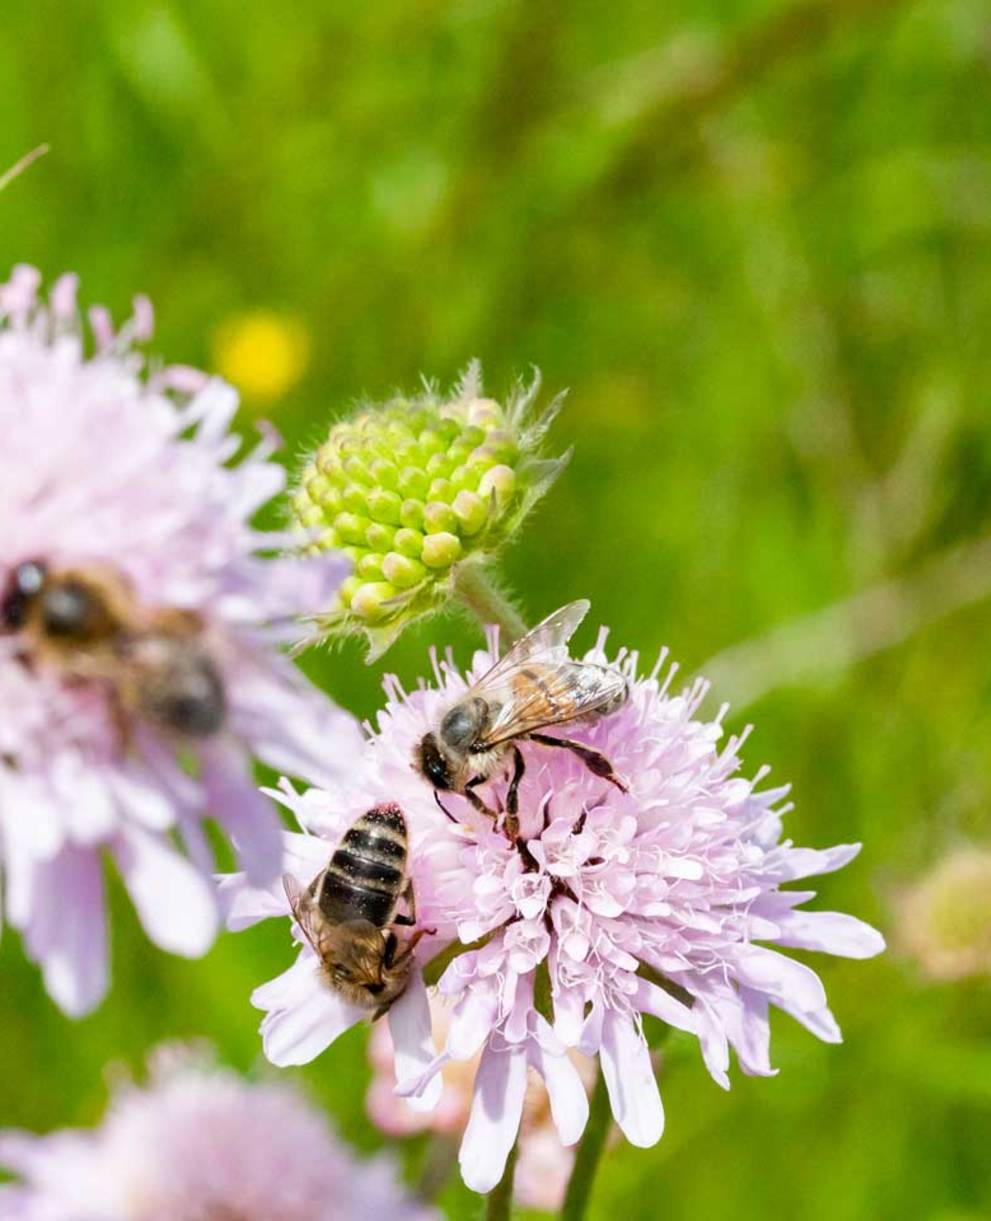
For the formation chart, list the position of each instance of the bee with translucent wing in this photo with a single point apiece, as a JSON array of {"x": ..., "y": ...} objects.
[
  {"x": 536, "y": 686},
  {"x": 86, "y": 624},
  {"x": 348, "y": 912}
]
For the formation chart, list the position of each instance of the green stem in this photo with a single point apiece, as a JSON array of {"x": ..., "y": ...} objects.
[
  {"x": 589, "y": 1152},
  {"x": 440, "y": 1159},
  {"x": 499, "y": 1202},
  {"x": 475, "y": 589}
]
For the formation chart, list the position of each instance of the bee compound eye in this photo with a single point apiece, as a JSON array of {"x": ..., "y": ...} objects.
[
  {"x": 29, "y": 578},
  {"x": 66, "y": 610},
  {"x": 433, "y": 764},
  {"x": 24, "y": 584}
]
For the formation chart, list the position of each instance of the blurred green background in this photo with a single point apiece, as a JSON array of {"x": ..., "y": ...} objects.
[{"x": 753, "y": 238}]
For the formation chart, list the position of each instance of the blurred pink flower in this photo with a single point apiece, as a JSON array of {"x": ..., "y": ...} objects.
[
  {"x": 104, "y": 464},
  {"x": 544, "y": 1164},
  {"x": 646, "y": 902},
  {"x": 199, "y": 1143}
]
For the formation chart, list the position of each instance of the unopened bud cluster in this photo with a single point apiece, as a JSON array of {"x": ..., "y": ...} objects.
[{"x": 412, "y": 488}]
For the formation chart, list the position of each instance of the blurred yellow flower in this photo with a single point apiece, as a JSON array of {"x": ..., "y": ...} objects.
[
  {"x": 945, "y": 916},
  {"x": 263, "y": 353}
]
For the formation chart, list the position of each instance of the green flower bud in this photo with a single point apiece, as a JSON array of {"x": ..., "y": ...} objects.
[
  {"x": 403, "y": 571},
  {"x": 384, "y": 506},
  {"x": 413, "y": 489},
  {"x": 379, "y": 537},
  {"x": 370, "y": 602},
  {"x": 471, "y": 512},
  {"x": 409, "y": 542},
  {"x": 439, "y": 517},
  {"x": 370, "y": 566},
  {"x": 412, "y": 514},
  {"x": 441, "y": 550}
]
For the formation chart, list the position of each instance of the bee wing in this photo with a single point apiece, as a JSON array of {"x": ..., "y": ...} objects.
[
  {"x": 546, "y": 642},
  {"x": 569, "y": 691},
  {"x": 302, "y": 912}
]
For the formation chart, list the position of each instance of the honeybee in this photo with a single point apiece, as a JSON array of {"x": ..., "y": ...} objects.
[
  {"x": 348, "y": 912},
  {"x": 86, "y": 623},
  {"x": 535, "y": 686}
]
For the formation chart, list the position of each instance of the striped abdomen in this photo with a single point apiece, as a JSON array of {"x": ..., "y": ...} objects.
[{"x": 367, "y": 874}]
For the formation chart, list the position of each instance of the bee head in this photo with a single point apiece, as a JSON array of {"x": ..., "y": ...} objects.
[
  {"x": 25, "y": 584},
  {"x": 68, "y": 608},
  {"x": 194, "y": 703},
  {"x": 431, "y": 763}
]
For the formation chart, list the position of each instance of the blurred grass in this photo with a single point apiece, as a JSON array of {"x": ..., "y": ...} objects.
[{"x": 756, "y": 246}]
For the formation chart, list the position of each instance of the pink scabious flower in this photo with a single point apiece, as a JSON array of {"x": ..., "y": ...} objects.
[
  {"x": 610, "y": 906},
  {"x": 199, "y": 1143},
  {"x": 108, "y": 466}
]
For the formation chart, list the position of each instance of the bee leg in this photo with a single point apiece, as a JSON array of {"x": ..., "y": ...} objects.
[
  {"x": 513, "y": 796},
  {"x": 593, "y": 759},
  {"x": 443, "y": 808},
  {"x": 391, "y": 945},
  {"x": 123, "y": 728},
  {"x": 410, "y": 917},
  {"x": 475, "y": 800},
  {"x": 410, "y": 946}
]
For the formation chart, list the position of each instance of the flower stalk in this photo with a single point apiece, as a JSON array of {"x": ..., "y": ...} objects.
[
  {"x": 499, "y": 1202},
  {"x": 477, "y": 592},
  {"x": 588, "y": 1154}
]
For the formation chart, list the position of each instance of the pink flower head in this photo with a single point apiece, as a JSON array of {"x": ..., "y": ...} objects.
[
  {"x": 611, "y": 905},
  {"x": 199, "y": 1143},
  {"x": 107, "y": 468}
]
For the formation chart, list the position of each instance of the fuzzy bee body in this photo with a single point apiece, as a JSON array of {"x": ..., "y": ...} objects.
[
  {"x": 348, "y": 913},
  {"x": 86, "y": 623},
  {"x": 366, "y": 876},
  {"x": 536, "y": 686}
]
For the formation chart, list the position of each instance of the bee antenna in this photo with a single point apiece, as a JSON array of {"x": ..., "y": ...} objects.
[{"x": 444, "y": 809}]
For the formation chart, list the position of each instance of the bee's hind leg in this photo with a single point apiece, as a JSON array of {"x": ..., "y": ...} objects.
[
  {"x": 593, "y": 759},
  {"x": 513, "y": 796}
]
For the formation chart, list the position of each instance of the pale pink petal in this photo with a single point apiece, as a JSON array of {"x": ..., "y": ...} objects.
[
  {"x": 413, "y": 1044},
  {"x": 251, "y": 820},
  {"x": 497, "y": 1105},
  {"x": 651, "y": 998},
  {"x": 305, "y": 1016},
  {"x": 797, "y": 863},
  {"x": 629, "y": 1075},
  {"x": 779, "y": 977},
  {"x": 175, "y": 903},
  {"x": 831, "y": 932},
  {"x": 67, "y": 932},
  {"x": 140, "y": 798},
  {"x": 820, "y": 1021},
  {"x": 744, "y": 1018},
  {"x": 565, "y": 1089},
  {"x": 712, "y": 1041},
  {"x": 243, "y": 905},
  {"x": 471, "y": 1023}
]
